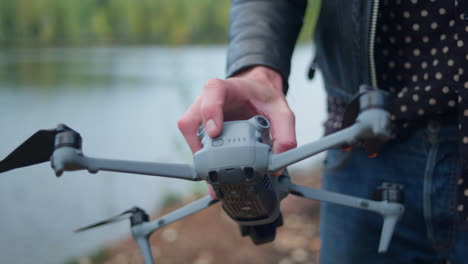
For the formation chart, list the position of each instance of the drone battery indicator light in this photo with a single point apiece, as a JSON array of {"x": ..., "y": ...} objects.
[
  {"x": 372, "y": 156},
  {"x": 217, "y": 142},
  {"x": 347, "y": 149}
]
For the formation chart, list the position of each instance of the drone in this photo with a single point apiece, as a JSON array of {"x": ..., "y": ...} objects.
[{"x": 240, "y": 166}]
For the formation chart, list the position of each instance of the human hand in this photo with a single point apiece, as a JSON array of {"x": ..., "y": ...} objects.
[{"x": 254, "y": 91}]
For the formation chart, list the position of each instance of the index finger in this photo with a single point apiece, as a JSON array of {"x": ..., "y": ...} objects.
[{"x": 189, "y": 123}]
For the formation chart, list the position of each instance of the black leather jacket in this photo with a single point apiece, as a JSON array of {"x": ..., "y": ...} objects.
[{"x": 264, "y": 32}]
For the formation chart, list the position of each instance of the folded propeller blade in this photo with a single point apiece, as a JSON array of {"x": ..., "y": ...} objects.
[
  {"x": 36, "y": 149},
  {"x": 118, "y": 218}
]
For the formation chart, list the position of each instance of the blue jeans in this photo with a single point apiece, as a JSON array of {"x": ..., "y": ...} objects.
[{"x": 426, "y": 163}]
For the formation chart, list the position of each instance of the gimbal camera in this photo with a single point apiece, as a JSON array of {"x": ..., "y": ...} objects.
[{"x": 239, "y": 164}]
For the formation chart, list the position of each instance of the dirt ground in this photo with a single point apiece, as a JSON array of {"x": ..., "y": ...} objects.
[{"x": 210, "y": 237}]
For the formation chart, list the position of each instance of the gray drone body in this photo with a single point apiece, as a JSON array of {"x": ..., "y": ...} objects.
[
  {"x": 236, "y": 164},
  {"x": 239, "y": 164}
]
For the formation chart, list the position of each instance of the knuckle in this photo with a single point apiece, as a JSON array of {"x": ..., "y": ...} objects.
[
  {"x": 181, "y": 124},
  {"x": 290, "y": 115},
  {"x": 187, "y": 120},
  {"x": 207, "y": 108},
  {"x": 214, "y": 83}
]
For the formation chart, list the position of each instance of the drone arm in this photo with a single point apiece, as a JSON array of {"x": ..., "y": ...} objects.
[
  {"x": 372, "y": 123},
  {"x": 180, "y": 213},
  {"x": 69, "y": 159},
  {"x": 345, "y": 136},
  {"x": 342, "y": 199},
  {"x": 390, "y": 211},
  {"x": 180, "y": 171}
]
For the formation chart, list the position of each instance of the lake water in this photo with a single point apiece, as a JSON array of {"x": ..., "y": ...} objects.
[{"x": 125, "y": 102}]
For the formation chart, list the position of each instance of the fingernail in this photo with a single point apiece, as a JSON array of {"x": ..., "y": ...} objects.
[{"x": 211, "y": 127}]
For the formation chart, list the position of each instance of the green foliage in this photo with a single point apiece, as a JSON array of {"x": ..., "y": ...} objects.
[
  {"x": 198, "y": 189},
  {"x": 169, "y": 198},
  {"x": 98, "y": 257},
  {"x": 71, "y": 22}
]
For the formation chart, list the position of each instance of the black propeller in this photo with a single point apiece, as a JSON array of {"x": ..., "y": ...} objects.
[
  {"x": 36, "y": 149},
  {"x": 136, "y": 215}
]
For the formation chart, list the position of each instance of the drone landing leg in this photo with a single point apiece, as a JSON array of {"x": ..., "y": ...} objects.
[
  {"x": 145, "y": 248},
  {"x": 391, "y": 211},
  {"x": 142, "y": 231}
]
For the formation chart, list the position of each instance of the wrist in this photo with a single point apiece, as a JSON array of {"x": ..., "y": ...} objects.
[{"x": 263, "y": 74}]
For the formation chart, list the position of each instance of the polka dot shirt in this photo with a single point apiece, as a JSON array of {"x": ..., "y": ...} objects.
[{"x": 421, "y": 55}]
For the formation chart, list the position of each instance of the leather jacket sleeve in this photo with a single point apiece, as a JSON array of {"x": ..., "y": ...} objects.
[{"x": 264, "y": 32}]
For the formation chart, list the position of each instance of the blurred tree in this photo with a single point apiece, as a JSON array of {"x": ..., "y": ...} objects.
[{"x": 167, "y": 22}]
